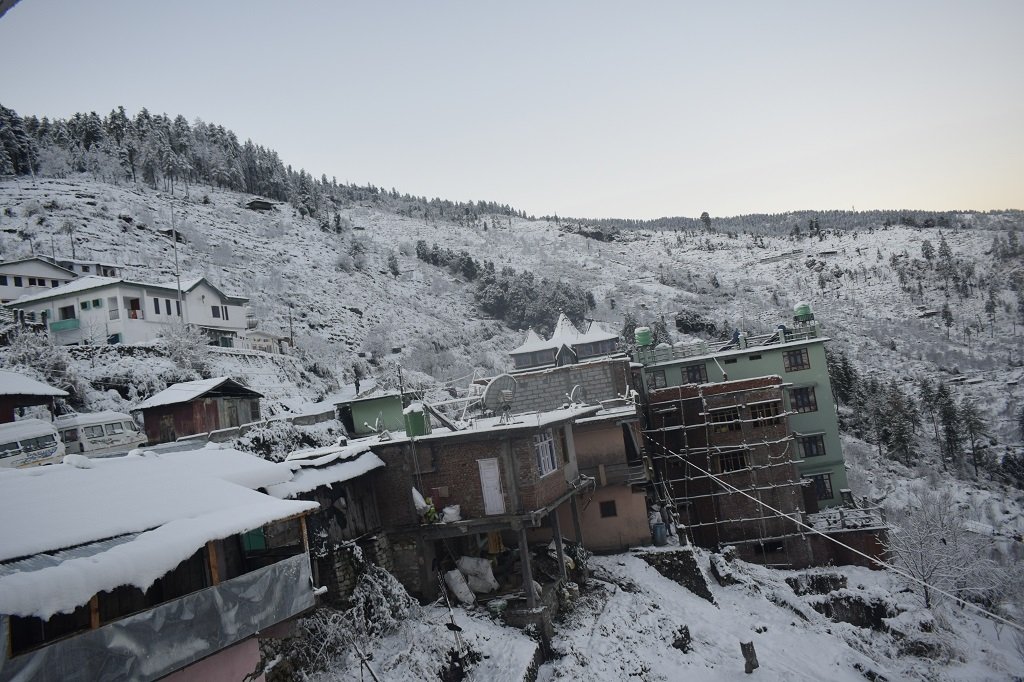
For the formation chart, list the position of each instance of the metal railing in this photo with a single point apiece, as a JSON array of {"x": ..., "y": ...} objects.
[{"x": 648, "y": 355}]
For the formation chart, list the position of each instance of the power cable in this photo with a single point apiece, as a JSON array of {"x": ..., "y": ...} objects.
[{"x": 985, "y": 613}]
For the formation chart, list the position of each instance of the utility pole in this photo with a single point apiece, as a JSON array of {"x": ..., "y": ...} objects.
[
  {"x": 177, "y": 271},
  {"x": 291, "y": 332}
]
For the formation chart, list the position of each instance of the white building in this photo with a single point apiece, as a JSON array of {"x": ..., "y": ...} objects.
[
  {"x": 30, "y": 276},
  {"x": 98, "y": 310}
]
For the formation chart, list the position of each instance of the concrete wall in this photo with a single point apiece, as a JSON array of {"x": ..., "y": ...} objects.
[
  {"x": 628, "y": 528},
  {"x": 548, "y": 389}
]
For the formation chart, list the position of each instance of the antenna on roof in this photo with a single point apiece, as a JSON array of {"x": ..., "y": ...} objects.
[
  {"x": 498, "y": 397},
  {"x": 576, "y": 395}
]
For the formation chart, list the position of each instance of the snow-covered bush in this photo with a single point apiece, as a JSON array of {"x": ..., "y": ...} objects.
[
  {"x": 188, "y": 347},
  {"x": 274, "y": 440},
  {"x": 34, "y": 354},
  {"x": 379, "y": 605}
]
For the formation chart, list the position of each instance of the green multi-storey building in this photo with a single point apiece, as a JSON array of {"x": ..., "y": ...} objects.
[{"x": 795, "y": 354}]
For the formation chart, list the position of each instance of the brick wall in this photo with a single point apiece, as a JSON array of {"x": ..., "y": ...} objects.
[
  {"x": 449, "y": 474},
  {"x": 547, "y": 389}
]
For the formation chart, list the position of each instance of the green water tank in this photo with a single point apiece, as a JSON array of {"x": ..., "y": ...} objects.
[
  {"x": 417, "y": 422},
  {"x": 802, "y": 312},
  {"x": 643, "y": 336}
]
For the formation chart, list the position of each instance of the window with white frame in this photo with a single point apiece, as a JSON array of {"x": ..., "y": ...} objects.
[{"x": 544, "y": 449}]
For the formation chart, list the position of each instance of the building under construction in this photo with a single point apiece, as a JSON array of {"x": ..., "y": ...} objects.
[{"x": 724, "y": 454}]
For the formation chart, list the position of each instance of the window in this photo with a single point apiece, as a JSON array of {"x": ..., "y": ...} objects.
[
  {"x": 812, "y": 446},
  {"x": 3, "y": 280},
  {"x": 794, "y": 360},
  {"x": 47, "y": 441},
  {"x": 69, "y": 436},
  {"x": 695, "y": 374},
  {"x": 85, "y": 305},
  {"x": 732, "y": 461},
  {"x": 544, "y": 449},
  {"x": 156, "y": 306},
  {"x": 17, "y": 281},
  {"x": 114, "y": 338},
  {"x": 657, "y": 378},
  {"x": 177, "y": 305},
  {"x": 9, "y": 449},
  {"x": 31, "y": 281},
  {"x": 730, "y": 361},
  {"x": 54, "y": 283},
  {"x": 167, "y": 306},
  {"x": 725, "y": 420},
  {"x": 215, "y": 311},
  {"x": 225, "y": 309},
  {"x": 85, "y": 268},
  {"x": 113, "y": 429},
  {"x": 130, "y": 426},
  {"x": 114, "y": 312},
  {"x": 765, "y": 414},
  {"x": 93, "y": 431},
  {"x": 823, "y": 486},
  {"x": 66, "y": 313},
  {"x": 97, "y": 303},
  {"x": 802, "y": 399},
  {"x": 608, "y": 509},
  {"x": 754, "y": 357}
]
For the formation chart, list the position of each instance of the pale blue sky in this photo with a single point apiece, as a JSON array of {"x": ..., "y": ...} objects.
[{"x": 581, "y": 108}]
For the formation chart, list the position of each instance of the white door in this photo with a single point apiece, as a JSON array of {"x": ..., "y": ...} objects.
[{"x": 490, "y": 483}]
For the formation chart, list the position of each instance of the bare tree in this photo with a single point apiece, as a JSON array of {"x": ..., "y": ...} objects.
[{"x": 930, "y": 542}]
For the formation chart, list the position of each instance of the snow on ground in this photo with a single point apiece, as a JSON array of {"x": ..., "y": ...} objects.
[
  {"x": 624, "y": 627},
  {"x": 419, "y": 648}
]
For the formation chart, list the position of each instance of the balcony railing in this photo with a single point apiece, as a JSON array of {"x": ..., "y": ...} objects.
[
  {"x": 680, "y": 351},
  {"x": 65, "y": 325},
  {"x": 617, "y": 474},
  {"x": 184, "y": 630}
]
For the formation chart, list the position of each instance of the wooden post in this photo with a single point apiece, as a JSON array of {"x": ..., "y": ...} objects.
[
  {"x": 749, "y": 657},
  {"x": 94, "y": 611},
  {"x": 556, "y": 528},
  {"x": 524, "y": 558},
  {"x": 577, "y": 528},
  {"x": 211, "y": 557}
]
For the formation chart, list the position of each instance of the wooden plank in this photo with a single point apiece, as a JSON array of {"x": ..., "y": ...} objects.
[
  {"x": 94, "y": 612},
  {"x": 211, "y": 556}
]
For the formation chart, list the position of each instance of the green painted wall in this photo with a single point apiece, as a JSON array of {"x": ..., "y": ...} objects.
[
  {"x": 387, "y": 407},
  {"x": 767, "y": 360}
]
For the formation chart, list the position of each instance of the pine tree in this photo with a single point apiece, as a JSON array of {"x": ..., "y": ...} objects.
[
  {"x": 947, "y": 318},
  {"x": 973, "y": 427},
  {"x": 952, "y": 435},
  {"x": 927, "y": 251},
  {"x": 900, "y": 423}
]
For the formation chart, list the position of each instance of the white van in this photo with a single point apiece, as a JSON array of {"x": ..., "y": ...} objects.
[
  {"x": 99, "y": 433},
  {"x": 29, "y": 443}
]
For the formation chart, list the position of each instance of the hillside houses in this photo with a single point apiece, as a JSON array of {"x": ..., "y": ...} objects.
[{"x": 95, "y": 309}]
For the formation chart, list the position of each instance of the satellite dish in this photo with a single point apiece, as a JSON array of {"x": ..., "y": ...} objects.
[
  {"x": 498, "y": 396},
  {"x": 577, "y": 395}
]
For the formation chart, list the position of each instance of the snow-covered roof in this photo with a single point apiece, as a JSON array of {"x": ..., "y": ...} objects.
[
  {"x": 89, "y": 282},
  {"x": 186, "y": 284},
  {"x": 75, "y": 286},
  {"x": 24, "y": 428},
  {"x": 227, "y": 464},
  {"x": 564, "y": 334},
  {"x": 45, "y": 261},
  {"x": 79, "y": 418},
  {"x": 532, "y": 343},
  {"x": 168, "y": 510},
  {"x": 12, "y": 383},
  {"x": 184, "y": 392},
  {"x": 310, "y": 476}
]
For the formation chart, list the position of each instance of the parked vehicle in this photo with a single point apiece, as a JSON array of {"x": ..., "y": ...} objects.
[
  {"x": 99, "y": 433},
  {"x": 29, "y": 443}
]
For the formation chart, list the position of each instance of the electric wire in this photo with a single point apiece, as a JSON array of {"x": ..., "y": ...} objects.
[{"x": 985, "y": 613}]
